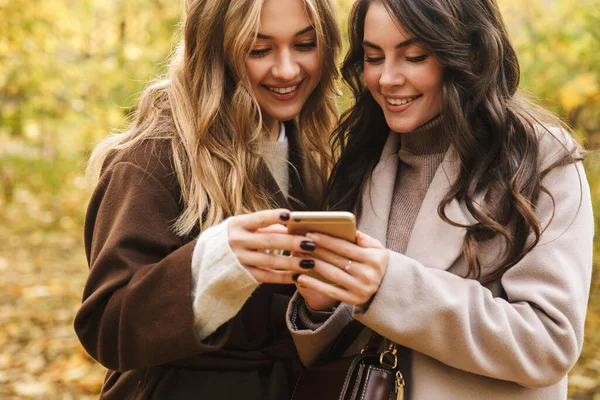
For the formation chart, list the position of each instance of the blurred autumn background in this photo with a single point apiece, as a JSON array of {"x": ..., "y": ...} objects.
[{"x": 70, "y": 72}]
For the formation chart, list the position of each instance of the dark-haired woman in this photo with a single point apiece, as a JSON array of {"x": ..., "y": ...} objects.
[{"x": 476, "y": 223}]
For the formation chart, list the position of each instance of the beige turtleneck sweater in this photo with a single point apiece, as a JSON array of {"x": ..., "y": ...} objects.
[{"x": 421, "y": 152}]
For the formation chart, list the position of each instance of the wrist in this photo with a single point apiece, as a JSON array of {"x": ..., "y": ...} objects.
[{"x": 321, "y": 306}]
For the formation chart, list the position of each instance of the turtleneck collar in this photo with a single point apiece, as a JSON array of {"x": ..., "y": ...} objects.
[{"x": 428, "y": 138}]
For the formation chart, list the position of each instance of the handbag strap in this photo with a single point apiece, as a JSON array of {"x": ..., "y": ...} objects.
[{"x": 349, "y": 334}]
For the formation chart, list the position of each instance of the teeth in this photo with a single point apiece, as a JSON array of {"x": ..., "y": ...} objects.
[
  {"x": 400, "y": 102},
  {"x": 283, "y": 90}
]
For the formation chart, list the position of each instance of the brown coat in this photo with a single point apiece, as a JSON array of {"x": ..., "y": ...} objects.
[{"x": 137, "y": 319}]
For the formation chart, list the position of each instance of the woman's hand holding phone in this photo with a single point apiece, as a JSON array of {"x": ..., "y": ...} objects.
[
  {"x": 256, "y": 239},
  {"x": 354, "y": 271}
]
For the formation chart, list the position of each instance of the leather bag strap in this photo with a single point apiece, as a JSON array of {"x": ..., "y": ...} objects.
[{"x": 349, "y": 334}]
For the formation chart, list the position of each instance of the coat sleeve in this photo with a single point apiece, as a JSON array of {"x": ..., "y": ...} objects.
[
  {"x": 311, "y": 343},
  {"x": 137, "y": 305},
  {"x": 532, "y": 336}
]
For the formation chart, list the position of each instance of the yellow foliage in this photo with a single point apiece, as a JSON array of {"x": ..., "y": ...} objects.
[
  {"x": 578, "y": 90},
  {"x": 69, "y": 73}
]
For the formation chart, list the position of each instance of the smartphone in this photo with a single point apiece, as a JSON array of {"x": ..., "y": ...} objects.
[{"x": 339, "y": 224}]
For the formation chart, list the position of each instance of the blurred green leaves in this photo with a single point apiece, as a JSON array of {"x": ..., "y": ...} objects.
[{"x": 71, "y": 70}]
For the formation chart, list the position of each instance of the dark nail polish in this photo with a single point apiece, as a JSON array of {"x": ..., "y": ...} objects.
[
  {"x": 284, "y": 216},
  {"x": 295, "y": 277},
  {"x": 308, "y": 246},
  {"x": 286, "y": 253},
  {"x": 307, "y": 264}
]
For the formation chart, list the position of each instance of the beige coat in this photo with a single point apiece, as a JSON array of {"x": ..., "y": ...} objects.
[{"x": 516, "y": 338}]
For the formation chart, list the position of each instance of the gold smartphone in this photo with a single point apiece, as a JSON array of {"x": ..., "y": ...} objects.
[{"x": 339, "y": 224}]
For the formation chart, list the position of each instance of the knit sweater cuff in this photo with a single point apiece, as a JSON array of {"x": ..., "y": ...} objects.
[
  {"x": 220, "y": 284},
  {"x": 311, "y": 319}
]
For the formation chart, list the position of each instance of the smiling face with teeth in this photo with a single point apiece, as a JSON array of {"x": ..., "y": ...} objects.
[
  {"x": 403, "y": 77},
  {"x": 284, "y": 65}
]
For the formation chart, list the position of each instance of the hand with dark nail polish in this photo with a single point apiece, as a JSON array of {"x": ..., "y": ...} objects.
[
  {"x": 307, "y": 245},
  {"x": 307, "y": 264}
]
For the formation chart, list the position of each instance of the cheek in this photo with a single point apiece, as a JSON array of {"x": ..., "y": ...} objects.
[
  {"x": 371, "y": 76},
  {"x": 436, "y": 92},
  {"x": 434, "y": 79},
  {"x": 255, "y": 71},
  {"x": 313, "y": 65}
]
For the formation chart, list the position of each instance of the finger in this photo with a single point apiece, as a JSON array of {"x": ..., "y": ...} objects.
[
  {"x": 272, "y": 276},
  {"x": 364, "y": 240},
  {"x": 261, "y": 219},
  {"x": 272, "y": 241},
  {"x": 276, "y": 228},
  {"x": 335, "y": 292},
  {"x": 363, "y": 272},
  {"x": 343, "y": 278},
  {"x": 273, "y": 261},
  {"x": 330, "y": 257},
  {"x": 340, "y": 246}
]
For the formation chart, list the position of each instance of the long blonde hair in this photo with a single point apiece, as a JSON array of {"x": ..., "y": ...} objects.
[{"x": 207, "y": 109}]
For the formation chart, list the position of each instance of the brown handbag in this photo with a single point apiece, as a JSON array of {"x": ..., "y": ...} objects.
[{"x": 370, "y": 375}]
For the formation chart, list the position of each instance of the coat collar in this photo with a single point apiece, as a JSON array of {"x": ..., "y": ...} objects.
[{"x": 432, "y": 242}]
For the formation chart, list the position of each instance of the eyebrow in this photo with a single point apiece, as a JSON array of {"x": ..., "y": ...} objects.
[
  {"x": 398, "y": 46},
  {"x": 309, "y": 28}
]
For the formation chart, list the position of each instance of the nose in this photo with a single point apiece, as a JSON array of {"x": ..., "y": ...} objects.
[
  {"x": 286, "y": 67},
  {"x": 391, "y": 75}
]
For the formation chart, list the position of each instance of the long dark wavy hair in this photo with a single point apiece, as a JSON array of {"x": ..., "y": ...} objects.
[{"x": 494, "y": 130}]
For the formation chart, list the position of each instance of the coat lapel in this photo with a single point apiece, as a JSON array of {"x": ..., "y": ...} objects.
[
  {"x": 379, "y": 191},
  {"x": 433, "y": 242}
]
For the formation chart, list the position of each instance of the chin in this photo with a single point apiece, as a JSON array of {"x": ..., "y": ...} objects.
[
  {"x": 401, "y": 127},
  {"x": 285, "y": 116}
]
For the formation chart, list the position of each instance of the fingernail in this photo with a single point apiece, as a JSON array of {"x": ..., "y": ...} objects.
[
  {"x": 286, "y": 253},
  {"x": 308, "y": 246},
  {"x": 312, "y": 237},
  {"x": 307, "y": 264},
  {"x": 295, "y": 277},
  {"x": 284, "y": 216}
]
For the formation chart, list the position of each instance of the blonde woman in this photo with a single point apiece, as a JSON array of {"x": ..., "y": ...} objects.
[{"x": 183, "y": 299}]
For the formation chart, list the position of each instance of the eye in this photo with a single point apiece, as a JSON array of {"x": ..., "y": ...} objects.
[
  {"x": 259, "y": 52},
  {"x": 373, "y": 60},
  {"x": 306, "y": 46},
  {"x": 417, "y": 59}
]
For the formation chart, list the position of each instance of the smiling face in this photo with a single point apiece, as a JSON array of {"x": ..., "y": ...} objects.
[
  {"x": 284, "y": 65},
  {"x": 404, "y": 78}
]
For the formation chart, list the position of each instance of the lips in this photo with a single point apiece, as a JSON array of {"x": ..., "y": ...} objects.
[
  {"x": 402, "y": 101},
  {"x": 284, "y": 93},
  {"x": 284, "y": 90}
]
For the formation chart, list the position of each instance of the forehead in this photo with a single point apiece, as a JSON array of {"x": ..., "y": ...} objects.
[
  {"x": 282, "y": 18},
  {"x": 381, "y": 28}
]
